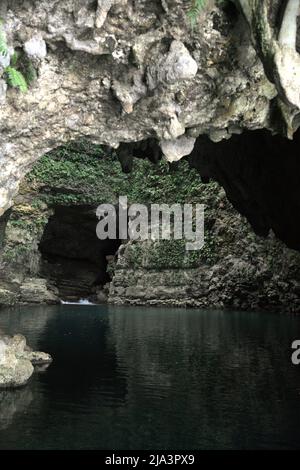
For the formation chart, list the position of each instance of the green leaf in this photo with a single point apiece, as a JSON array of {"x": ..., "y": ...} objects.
[{"x": 16, "y": 79}]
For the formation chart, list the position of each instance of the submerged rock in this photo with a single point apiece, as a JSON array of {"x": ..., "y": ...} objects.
[{"x": 17, "y": 361}]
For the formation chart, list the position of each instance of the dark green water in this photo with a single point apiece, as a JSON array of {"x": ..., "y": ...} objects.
[{"x": 145, "y": 378}]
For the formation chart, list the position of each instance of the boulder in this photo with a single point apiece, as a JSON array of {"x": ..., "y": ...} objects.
[{"x": 17, "y": 361}]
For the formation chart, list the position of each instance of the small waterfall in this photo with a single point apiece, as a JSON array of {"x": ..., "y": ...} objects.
[{"x": 80, "y": 302}]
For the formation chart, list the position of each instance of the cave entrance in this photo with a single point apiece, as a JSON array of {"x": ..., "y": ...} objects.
[{"x": 74, "y": 260}]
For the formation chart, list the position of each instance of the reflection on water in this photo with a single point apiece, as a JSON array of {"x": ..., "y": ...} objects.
[
  {"x": 146, "y": 378},
  {"x": 12, "y": 402}
]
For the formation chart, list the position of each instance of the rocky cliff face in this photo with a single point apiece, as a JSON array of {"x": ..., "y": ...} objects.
[
  {"x": 138, "y": 78},
  {"x": 51, "y": 251},
  {"x": 235, "y": 268},
  {"x": 124, "y": 71}
]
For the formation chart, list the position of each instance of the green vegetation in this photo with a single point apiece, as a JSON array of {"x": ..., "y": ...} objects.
[
  {"x": 26, "y": 229},
  {"x": 32, "y": 225},
  {"x": 16, "y": 254},
  {"x": 196, "y": 6},
  {"x": 25, "y": 67},
  {"x": 15, "y": 79},
  {"x": 13, "y": 73},
  {"x": 170, "y": 254},
  {"x": 195, "y": 10},
  {"x": 85, "y": 174}
]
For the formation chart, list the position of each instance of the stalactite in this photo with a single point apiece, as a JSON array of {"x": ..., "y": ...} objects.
[{"x": 288, "y": 30}]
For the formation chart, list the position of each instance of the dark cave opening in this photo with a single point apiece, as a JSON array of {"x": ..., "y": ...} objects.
[
  {"x": 260, "y": 173},
  {"x": 74, "y": 260}
]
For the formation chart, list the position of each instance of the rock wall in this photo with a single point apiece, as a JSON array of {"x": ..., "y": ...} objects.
[
  {"x": 125, "y": 71},
  {"x": 138, "y": 78},
  {"x": 235, "y": 268}
]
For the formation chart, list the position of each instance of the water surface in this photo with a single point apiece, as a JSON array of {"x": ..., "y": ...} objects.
[{"x": 147, "y": 378}]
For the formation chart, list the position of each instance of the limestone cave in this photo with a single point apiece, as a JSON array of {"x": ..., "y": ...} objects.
[{"x": 172, "y": 105}]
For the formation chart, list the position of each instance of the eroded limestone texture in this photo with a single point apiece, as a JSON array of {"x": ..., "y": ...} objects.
[
  {"x": 123, "y": 71},
  {"x": 51, "y": 251},
  {"x": 120, "y": 72}
]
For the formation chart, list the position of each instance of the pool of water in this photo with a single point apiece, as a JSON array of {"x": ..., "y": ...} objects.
[{"x": 148, "y": 378}]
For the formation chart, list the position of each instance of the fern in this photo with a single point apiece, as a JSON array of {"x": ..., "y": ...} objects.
[
  {"x": 195, "y": 10},
  {"x": 16, "y": 79}
]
